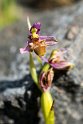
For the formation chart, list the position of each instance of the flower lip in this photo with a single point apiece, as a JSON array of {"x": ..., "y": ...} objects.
[{"x": 40, "y": 49}]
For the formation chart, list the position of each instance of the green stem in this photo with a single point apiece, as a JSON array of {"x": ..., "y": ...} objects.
[
  {"x": 39, "y": 60},
  {"x": 33, "y": 70},
  {"x": 45, "y": 67}
]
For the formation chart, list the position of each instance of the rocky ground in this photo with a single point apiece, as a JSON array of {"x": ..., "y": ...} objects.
[{"x": 19, "y": 97}]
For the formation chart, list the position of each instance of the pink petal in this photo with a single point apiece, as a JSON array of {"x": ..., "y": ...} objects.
[
  {"x": 50, "y": 43},
  {"x": 50, "y": 40},
  {"x": 24, "y": 50},
  {"x": 61, "y": 65}
]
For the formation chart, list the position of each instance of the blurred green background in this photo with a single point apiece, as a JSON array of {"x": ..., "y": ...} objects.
[{"x": 7, "y": 12}]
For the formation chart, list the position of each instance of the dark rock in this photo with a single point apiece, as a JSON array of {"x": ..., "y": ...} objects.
[{"x": 46, "y": 4}]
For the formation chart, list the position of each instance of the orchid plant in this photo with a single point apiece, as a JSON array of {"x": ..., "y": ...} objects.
[{"x": 38, "y": 44}]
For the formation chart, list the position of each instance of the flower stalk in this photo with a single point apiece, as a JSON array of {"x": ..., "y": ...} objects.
[{"x": 33, "y": 70}]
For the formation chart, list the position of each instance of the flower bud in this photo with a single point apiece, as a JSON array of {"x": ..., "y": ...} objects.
[{"x": 45, "y": 79}]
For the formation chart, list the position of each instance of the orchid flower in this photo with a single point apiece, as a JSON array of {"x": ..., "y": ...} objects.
[
  {"x": 36, "y": 42},
  {"x": 58, "y": 61}
]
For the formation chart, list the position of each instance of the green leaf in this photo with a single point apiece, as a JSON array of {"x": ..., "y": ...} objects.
[
  {"x": 45, "y": 67},
  {"x": 46, "y": 105},
  {"x": 51, "y": 117},
  {"x": 33, "y": 70}
]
